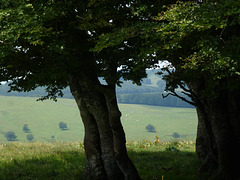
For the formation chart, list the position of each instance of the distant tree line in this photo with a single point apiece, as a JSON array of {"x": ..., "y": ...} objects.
[
  {"x": 38, "y": 92},
  {"x": 148, "y": 93},
  {"x": 155, "y": 99}
]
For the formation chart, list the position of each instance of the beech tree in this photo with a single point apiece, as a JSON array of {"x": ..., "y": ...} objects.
[
  {"x": 53, "y": 44},
  {"x": 201, "y": 41}
]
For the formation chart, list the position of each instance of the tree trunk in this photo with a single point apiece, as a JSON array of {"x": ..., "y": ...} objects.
[
  {"x": 218, "y": 134},
  {"x": 101, "y": 130},
  {"x": 94, "y": 168},
  {"x": 119, "y": 139},
  {"x": 205, "y": 145}
]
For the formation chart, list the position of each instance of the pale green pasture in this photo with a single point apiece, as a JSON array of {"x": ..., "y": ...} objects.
[
  {"x": 43, "y": 118},
  {"x": 166, "y": 121}
]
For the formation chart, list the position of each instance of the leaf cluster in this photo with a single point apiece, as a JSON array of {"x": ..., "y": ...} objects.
[
  {"x": 42, "y": 42},
  {"x": 34, "y": 41},
  {"x": 201, "y": 41}
]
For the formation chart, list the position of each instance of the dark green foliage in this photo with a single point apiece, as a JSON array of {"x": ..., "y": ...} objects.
[
  {"x": 30, "y": 137},
  {"x": 63, "y": 126},
  {"x": 26, "y": 128},
  {"x": 44, "y": 41},
  {"x": 150, "y": 128},
  {"x": 201, "y": 44},
  {"x": 10, "y": 136}
]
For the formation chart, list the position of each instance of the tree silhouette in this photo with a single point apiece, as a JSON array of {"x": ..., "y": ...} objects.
[
  {"x": 30, "y": 137},
  {"x": 150, "y": 128},
  {"x": 10, "y": 136},
  {"x": 26, "y": 128},
  {"x": 63, "y": 126}
]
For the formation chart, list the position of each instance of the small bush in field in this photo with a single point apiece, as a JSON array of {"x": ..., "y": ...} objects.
[
  {"x": 26, "y": 128},
  {"x": 63, "y": 126},
  {"x": 176, "y": 135},
  {"x": 150, "y": 128},
  {"x": 10, "y": 136},
  {"x": 30, "y": 137}
]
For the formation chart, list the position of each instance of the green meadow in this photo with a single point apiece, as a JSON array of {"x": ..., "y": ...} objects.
[
  {"x": 43, "y": 118},
  {"x": 62, "y": 157},
  {"x": 61, "y": 161}
]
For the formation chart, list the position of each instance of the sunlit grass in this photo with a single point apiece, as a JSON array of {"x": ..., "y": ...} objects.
[
  {"x": 43, "y": 120},
  {"x": 66, "y": 160}
]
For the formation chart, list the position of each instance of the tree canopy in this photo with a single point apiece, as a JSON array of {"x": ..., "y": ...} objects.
[
  {"x": 60, "y": 43},
  {"x": 199, "y": 39},
  {"x": 53, "y": 44},
  {"x": 39, "y": 40},
  {"x": 202, "y": 41}
]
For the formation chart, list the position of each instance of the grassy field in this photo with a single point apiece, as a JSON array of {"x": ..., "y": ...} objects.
[
  {"x": 43, "y": 118},
  {"x": 63, "y": 157},
  {"x": 62, "y": 161}
]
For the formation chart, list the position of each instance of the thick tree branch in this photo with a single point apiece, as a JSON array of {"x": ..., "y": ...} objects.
[{"x": 173, "y": 93}]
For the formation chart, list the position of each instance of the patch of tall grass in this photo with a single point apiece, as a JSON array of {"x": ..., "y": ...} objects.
[
  {"x": 41, "y": 161},
  {"x": 154, "y": 161},
  {"x": 174, "y": 160}
]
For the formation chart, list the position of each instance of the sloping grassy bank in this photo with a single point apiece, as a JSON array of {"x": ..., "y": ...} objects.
[{"x": 154, "y": 161}]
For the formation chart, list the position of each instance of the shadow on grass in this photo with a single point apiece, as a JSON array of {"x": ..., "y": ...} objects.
[
  {"x": 70, "y": 165},
  {"x": 59, "y": 165},
  {"x": 165, "y": 165},
  {"x": 64, "y": 129}
]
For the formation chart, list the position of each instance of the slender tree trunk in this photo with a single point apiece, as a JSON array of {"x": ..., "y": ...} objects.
[
  {"x": 104, "y": 141},
  {"x": 120, "y": 150},
  {"x": 218, "y": 133}
]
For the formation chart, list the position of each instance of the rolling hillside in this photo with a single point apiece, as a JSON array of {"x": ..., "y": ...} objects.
[
  {"x": 43, "y": 118},
  {"x": 149, "y": 93}
]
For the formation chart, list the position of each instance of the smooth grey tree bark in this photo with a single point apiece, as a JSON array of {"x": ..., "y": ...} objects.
[{"x": 104, "y": 141}]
